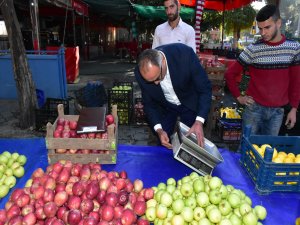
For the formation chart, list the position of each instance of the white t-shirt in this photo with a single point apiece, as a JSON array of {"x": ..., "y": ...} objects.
[{"x": 182, "y": 33}]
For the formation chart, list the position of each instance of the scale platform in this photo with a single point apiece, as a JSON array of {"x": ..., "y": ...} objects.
[{"x": 187, "y": 151}]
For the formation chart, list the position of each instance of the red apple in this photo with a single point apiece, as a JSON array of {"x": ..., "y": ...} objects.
[
  {"x": 16, "y": 194},
  {"x": 50, "y": 209},
  {"x": 128, "y": 217},
  {"x": 29, "y": 219},
  {"x": 140, "y": 208},
  {"x": 86, "y": 206},
  {"x": 61, "y": 198},
  {"x": 74, "y": 217},
  {"x": 74, "y": 202},
  {"x": 111, "y": 199},
  {"x": 109, "y": 119},
  {"x": 61, "y": 121},
  {"x": 57, "y": 134},
  {"x": 27, "y": 209},
  {"x": 91, "y": 135},
  {"x": 92, "y": 190},
  {"x": 73, "y": 125},
  {"x": 107, "y": 212}
]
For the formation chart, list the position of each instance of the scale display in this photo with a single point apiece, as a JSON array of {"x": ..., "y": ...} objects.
[{"x": 193, "y": 161}]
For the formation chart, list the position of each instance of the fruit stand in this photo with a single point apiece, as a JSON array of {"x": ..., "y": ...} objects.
[{"x": 155, "y": 165}]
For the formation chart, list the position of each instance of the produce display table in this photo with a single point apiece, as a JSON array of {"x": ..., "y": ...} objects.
[{"x": 156, "y": 164}]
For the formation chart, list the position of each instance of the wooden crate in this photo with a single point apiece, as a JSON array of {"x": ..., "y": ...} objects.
[{"x": 109, "y": 144}]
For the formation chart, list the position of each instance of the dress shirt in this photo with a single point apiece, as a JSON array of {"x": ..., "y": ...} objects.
[{"x": 182, "y": 33}]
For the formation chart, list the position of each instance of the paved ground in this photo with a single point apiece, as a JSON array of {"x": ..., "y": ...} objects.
[{"x": 106, "y": 69}]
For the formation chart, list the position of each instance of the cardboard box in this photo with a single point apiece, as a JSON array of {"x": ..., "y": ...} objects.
[{"x": 109, "y": 145}]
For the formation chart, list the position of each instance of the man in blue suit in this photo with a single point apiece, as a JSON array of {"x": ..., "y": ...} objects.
[{"x": 174, "y": 84}]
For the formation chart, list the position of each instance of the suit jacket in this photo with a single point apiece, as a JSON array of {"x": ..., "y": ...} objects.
[{"x": 189, "y": 80}]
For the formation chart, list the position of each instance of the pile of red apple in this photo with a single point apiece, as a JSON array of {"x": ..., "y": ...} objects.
[
  {"x": 77, "y": 194},
  {"x": 67, "y": 129}
]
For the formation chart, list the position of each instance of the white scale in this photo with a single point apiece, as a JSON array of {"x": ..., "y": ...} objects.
[{"x": 187, "y": 151}]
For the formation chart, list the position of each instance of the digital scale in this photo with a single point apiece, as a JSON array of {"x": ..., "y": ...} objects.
[{"x": 187, "y": 151}]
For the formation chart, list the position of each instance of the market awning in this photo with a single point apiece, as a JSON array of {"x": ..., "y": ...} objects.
[
  {"x": 158, "y": 12},
  {"x": 79, "y": 6}
]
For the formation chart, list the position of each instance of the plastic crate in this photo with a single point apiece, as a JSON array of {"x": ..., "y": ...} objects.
[
  {"x": 48, "y": 113},
  {"x": 229, "y": 129},
  {"x": 124, "y": 101},
  {"x": 92, "y": 95},
  {"x": 269, "y": 176},
  {"x": 139, "y": 114}
]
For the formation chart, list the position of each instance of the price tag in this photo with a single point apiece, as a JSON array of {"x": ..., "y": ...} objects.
[{"x": 89, "y": 129}]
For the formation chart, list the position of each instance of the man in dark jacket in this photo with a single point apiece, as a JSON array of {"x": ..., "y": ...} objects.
[{"x": 174, "y": 84}]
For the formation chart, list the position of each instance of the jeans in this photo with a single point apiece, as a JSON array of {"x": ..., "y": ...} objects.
[{"x": 263, "y": 120}]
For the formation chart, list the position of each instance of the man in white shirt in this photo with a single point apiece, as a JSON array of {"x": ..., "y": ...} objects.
[{"x": 174, "y": 30}]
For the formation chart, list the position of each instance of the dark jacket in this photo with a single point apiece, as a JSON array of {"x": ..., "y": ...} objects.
[{"x": 189, "y": 80}]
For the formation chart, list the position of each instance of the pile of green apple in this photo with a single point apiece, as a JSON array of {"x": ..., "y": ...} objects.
[
  {"x": 201, "y": 200},
  {"x": 11, "y": 168}
]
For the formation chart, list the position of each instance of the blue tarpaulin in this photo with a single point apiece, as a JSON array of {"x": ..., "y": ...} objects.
[{"x": 156, "y": 164}]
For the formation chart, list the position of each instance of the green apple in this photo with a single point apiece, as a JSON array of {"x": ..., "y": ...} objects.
[
  {"x": 161, "y": 186},
  {"x": 204, "y": 221},
  {"x": 194, "y": 175},
  {"x": 186, "y": 189},
  {"x": 176, "y": 194},
  {"x": 198, "y": 185},
  {"x": 177, "y": 205},
  {"x": 171, "y": 188},
  {"x": 150, "y": 213},
  {"x": 15, "y": 165},
  {"x": 215, "y": 183},
  {"x": 234, "y": 200},
  {"x": 215, "y": 196},
  {"x": 214, "y": 215},
  {"x": 186, "y": 179},
  {"x": 260, "y": 212},
  {"x": 245, "y": 208},
  {"x": 19, "y": 172},
  {"x": 15, "y": 156},
  {"x": 2, "y": 168},
  {"x": 187, "y": 214},
  {"x": 199, "y": 213},
  {"x": 250, "y": 218},
  {"x": 191, "y": 202},
  {"x": 225, "y": 207},
  {"x": 177, "y": 220},
  {"x": 22, "y": 159},
  {"x": 28, "y": 183},
  {"x": 3, "y": 159},
  {"x": 4, "y": 189},
  {"x": 224, "y": 191},
  {"x": 235, "y": 219},
  {"x": 10, "y": 162},
  {"x": 10, "y": 181},
  {"x": 202, "y": 199},
  {"x": 171, "y": 181},
  {"x": 7, "y": 154},
  {"x": 161, "y": 211},
  {"x": 8, "y": 172},
  {"x": 166, "y": 199}
]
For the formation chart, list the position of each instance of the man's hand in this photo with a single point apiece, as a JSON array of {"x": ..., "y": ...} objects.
[
  {"x": 164, "y": 139},
  {"x": 245, "y": 100},
  {"x": 291, "y": 118},
  {"x": 197, "y": 129}
]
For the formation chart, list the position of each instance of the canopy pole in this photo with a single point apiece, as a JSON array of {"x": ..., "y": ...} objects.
[
  {"x": 223, "y": 23},
  {"x": 199, "y": 13}
]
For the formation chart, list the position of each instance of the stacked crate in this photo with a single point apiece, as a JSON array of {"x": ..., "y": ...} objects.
[
  {"x": 48, "y": 113},
  {"x": 215, "y": 74},
  {"x": 122, "y": 96}
]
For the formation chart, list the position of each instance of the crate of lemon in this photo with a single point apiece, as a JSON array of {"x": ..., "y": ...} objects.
[{"x": 272, "y": 162}]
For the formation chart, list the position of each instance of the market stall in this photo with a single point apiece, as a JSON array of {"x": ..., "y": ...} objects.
[{"x": 156, "y": 164}]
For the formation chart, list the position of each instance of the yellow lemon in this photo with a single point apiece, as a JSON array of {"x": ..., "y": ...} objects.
[
  {"x": 292, "y": 183},
  {"x": 280, "y": 174},
  {"x": 288, "y": 160},
  {"x": 298, "y": 155},
  {"x": 277, "y": 160},
  {"x": 281, "y": 153},
  {"x": 275, "y": 153},
  {"x": 297, "y": 160},
  {"x": 255, "y": 147},
  {"x": 278, "y": 183},
  {"x": 291, "y": 155},
  {"x": 263, "y": 147}
]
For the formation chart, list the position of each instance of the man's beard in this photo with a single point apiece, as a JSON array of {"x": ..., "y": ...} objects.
[
  {"x": 274, "y": 35},
  {"x": 173, "y": 17}
]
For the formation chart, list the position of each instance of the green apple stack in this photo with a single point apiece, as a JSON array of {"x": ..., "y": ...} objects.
[
  {"x": 11, "y": 168},
  {"x": 201, "y": 200}
]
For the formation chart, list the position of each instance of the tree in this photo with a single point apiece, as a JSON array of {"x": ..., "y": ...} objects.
[
  {"x": 25, "y": 87},
  {"x": 239, "y": 19}
]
